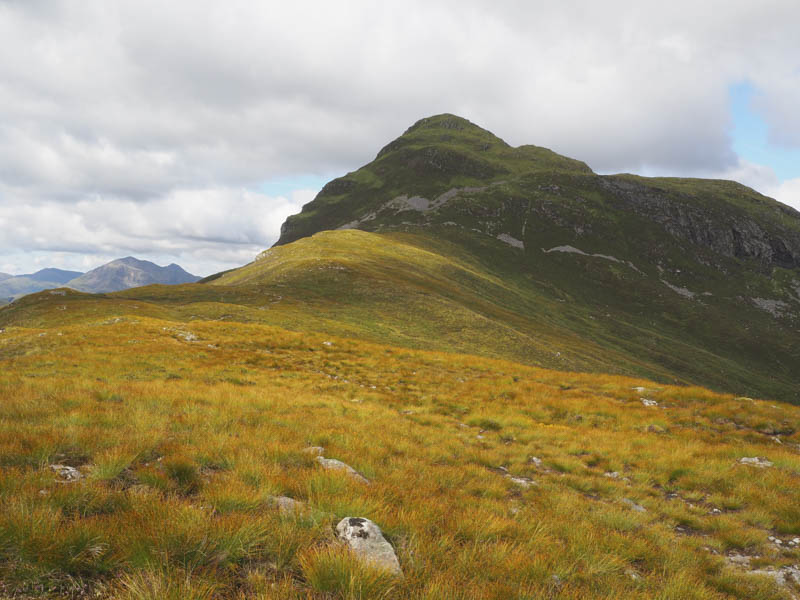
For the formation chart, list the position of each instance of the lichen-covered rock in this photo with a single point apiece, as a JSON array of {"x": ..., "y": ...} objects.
[
  {"x": 366, "y": 540},
  {"x": 336, "y": 465},
  {"x": 66, "y": 473}
]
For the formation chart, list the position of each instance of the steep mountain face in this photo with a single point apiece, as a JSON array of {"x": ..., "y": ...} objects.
[
  {"x": 129, "y": 272},
  {"x": 16, "y": 286},
  {"x": 445, "y": 170},
  {"x": 711, "y": 263}
]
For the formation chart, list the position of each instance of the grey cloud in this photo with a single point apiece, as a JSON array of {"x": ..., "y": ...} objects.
[{"x": 136, "y": 102}]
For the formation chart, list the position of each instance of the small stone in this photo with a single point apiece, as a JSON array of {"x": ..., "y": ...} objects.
[
  {"x": 327, "y": 343},
  {"x": 336, "y": 465},
  {"x": 67, "y": 473},
  {"x": 755, "y": 461},
  {"x": 366, "y": 540},
  {"x": 536, "y": 461},
  {"x": 286, "y": 505},
  {"x": 656, "y": 429},
  {"x": 648, "y": 402},
  {"x": 632, "y": 574},
  {"x": 187, "y": 336},
  {"x": 524, "y": 482},
  {"x": 558, "y": 583},
  {"x": 612, "y": 474},
  {"x": 633, "y": 505},
  {"x": 739, "y": 560}
]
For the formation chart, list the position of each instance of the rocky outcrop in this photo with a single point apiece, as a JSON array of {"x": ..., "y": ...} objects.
[
  {"x": 732, "y": 234},
  {"x": 366, "y": 541}
]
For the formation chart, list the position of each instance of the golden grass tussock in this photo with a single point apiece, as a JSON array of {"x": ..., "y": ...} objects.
[{"x": 490, "y": 479}]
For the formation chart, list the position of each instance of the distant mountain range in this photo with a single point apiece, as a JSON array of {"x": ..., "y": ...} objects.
[
  {"x": 16, "y": 286},
  {"x": 129, "y": 272},
  {"x": 117, "y": 275}
]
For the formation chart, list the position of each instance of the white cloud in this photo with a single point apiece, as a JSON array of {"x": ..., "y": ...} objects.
[
  {"x": 787, "y": 192},
  {"x": 204, "y": 230},
  {"x": 764, "y": 180},
  {"x": 117, "y": 119}
]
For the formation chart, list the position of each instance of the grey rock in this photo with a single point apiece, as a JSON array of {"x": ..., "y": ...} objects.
[
  {"x": 366, "y": 540},
  {"x": 67, "y": 473},
  {"x": 740, "y": 560},
  {"x": 633, "y": 574},
  {"x": 286, "y": 505},
  {"x": 785, "y": 576},
  {"x": 633, "y": 505},
  {"x": 524, "y": 482},
  {"x": 336, "y": 465},
  {"x": 755, "y": 461}
]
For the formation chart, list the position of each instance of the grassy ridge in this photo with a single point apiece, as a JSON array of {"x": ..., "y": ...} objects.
[
  {"x": 184, "y": 432},
  {"x": 470, "y": 294}
]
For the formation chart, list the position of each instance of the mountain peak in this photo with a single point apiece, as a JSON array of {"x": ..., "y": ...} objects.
[
  {"x": 433, "y": 157},
  {"x": 446, "y": 121},
  {"x": 129, "y": 272},
  {"x": 446, "y": 129}
]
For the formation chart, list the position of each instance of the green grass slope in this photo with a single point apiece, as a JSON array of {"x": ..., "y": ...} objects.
[{"x": 468, "y": 294}]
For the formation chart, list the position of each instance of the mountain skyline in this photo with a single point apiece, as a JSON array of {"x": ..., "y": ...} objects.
[
  {"x": 123, "y": 135},
  {"x": 113, "y": 276}
]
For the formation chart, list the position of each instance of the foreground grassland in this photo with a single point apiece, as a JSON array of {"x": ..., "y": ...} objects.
[{"x": 185, "y": 432}]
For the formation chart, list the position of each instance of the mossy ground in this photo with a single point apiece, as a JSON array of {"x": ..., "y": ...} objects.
[{"x": 184, "y": 430}]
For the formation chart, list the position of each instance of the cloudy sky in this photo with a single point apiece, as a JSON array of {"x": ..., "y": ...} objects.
[{"x": 186, "y": 131}]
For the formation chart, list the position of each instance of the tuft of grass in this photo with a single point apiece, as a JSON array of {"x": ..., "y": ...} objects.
[
  {"x": 335, "y": 570},
  {"x": 184, "y": 473},
  {"x": 160, "y": 584}
]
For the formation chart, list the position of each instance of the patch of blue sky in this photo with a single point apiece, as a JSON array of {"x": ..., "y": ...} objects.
[
  {"x": 750, "y": 135},
  {"x": 286, "y": 185}
]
